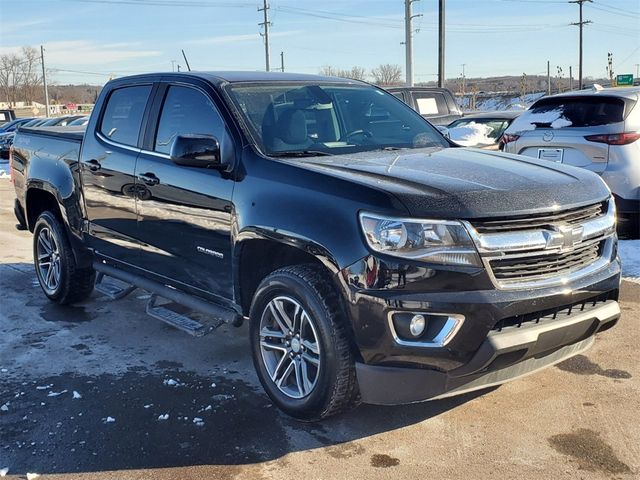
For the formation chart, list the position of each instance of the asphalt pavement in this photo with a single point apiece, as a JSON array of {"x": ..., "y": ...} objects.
[{"x": 102, "y": 391}]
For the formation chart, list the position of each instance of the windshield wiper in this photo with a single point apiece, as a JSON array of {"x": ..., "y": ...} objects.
[{"x": 301, "y": 153}]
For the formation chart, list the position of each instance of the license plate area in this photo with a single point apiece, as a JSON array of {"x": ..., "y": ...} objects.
[{"x": 551, "y": 154}]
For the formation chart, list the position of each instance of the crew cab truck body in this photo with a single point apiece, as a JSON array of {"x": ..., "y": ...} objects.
[{"x": 374, "y": 260}]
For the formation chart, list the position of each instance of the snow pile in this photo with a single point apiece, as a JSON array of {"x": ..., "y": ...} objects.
[
  {"x": 629, "y": 251},
  {"x": 3, "y": 472},
  {"x": 4, "y": 169},
  {"x": 492, "y": 101},
  {"x": 531, "y": 120},
  {"x": 472, "y": 134}
]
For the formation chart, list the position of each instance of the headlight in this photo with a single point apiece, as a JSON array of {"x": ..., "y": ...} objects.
[{"x": 433, "y": 241}]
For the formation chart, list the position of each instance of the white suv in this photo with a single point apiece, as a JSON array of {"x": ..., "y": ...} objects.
[{"x": 597, "y": 129}]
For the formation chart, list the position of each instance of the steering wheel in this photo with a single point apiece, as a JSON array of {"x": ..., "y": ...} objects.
[{"x": 366, "y": 135}]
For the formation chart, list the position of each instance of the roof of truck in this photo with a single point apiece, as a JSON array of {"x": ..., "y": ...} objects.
[{"x": 218, "y": 77}]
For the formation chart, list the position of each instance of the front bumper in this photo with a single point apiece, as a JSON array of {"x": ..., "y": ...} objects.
[{"x": 503, "y": 356}]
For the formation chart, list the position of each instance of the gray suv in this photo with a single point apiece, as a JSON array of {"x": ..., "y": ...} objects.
[{"x": 596, "y": 129}]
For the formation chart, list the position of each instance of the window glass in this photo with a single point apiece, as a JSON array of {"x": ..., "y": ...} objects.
[
  {"x": 331, "y": 118},
  {"x": 431, "y": 103},
  {"x": 571, "y": 112},
  {"x": 123, "y": 115},
  {"x": 187, "y": 111},
  {"x": 399, "y": 95}
]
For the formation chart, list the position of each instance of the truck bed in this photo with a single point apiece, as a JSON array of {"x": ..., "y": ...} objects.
[{"x": 68, "y": 133}]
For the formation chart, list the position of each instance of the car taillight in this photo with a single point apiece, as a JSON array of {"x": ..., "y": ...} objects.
[
  {"x": 508, "y": 138},
  {"x": 615, "y": 138}
]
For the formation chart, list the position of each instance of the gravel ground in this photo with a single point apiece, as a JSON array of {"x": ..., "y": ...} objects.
[{"x": 101, "y": 391}]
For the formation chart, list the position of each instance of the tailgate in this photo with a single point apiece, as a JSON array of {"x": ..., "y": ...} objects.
[{"x": 565, "y": 145}]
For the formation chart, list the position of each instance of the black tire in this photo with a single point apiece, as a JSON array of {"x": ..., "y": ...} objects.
[
  {"x": 75, "y": 284},
  {"x": 335, "y": 389}
]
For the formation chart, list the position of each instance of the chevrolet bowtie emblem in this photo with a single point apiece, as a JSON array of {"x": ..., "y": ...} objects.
[{"x": 564, "y": 236}]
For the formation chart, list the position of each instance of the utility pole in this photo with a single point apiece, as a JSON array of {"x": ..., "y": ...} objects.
[
  {"x": 610, "y": 68},
  {"x": 637, "y": 70},
  {"x": 44, "y": 80},
  {"x": 463, "y": 79},
  {"x": 282, "y": 61},
  {"x": 570, "y": 78},
  {"x": 266, "y": 24},
  {"x": 408, "y": 40},
  {"x": 441, "y": 43},
  {"x": 548, "y": 78},
  {"x": 173, "y": 65},
  {"x": 559, "y": 70},
  {"x": 581, "y": 23}
]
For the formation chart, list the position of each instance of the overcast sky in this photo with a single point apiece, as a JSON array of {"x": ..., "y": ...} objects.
[{"x": 87, "y": 40}]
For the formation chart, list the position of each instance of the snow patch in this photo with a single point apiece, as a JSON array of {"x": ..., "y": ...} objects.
[
  {"x": 44, "y": 387},
  {"x": 173, "y": 383},
  {"x": 163, "y": 417},
  {"x": 472, "y": 134},
  {"x": 32, "y": 476},
  {"x": 76, "y": 395},
  {"x": 3, "y": 472},
  {"x": 529, "y": 121},
  {"x": 4, "y": 407},
  {"x": 109, "y": 420},
  {"x": 198, "y": 422},
  {"x": 56, "y": 394},
  {"x": 629, "y": 251}
]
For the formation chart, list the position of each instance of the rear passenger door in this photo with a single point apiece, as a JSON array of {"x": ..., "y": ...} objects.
[
  {"x": 184, "y": 213},
  {"x": 107, "y": 166}
]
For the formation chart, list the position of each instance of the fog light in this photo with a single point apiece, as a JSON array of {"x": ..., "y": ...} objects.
[{"x": 416, "y": 327}]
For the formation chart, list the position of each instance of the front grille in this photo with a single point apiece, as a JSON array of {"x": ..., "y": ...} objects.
[
  {"x": 574, "y": 216},
  {"x": 552, "y": 314},
  {"x": 544, "y": 265}
]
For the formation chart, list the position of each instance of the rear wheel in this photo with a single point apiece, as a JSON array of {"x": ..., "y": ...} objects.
[
  {"x": 300, "y": 345},
  {"x": 60, "y": 278}
]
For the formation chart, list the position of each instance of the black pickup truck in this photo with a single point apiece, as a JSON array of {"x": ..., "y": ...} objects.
[{"x": 374, "y": 260}]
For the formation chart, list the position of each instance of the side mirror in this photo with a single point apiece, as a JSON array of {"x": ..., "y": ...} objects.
[{"x": 201, "y": 151}]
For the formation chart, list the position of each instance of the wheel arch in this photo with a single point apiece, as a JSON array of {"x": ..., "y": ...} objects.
[{"x": 257, "y": 253}]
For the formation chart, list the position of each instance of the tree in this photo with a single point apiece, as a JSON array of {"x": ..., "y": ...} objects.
[
  {"x": 387, "y": 74},
  {"x": 21, "y": 75},
  {"x": 356, "y": 73}
]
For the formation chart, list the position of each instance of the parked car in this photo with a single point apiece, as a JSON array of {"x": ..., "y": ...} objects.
[
  {"x": 596, "y": 129},
  {"x": 438, "y": 105},
  {"x": 6, "y": 116},
  {"x": 60, "y": 121},
  {"x": 34, "y": 123},
  {"x": 13, "y": 124},
  {"x": 489, "y": 127},
  {"x": 374, "y": 260},
  {"x": 83, "y": 120},
  {"x": 8, "y": 131}
]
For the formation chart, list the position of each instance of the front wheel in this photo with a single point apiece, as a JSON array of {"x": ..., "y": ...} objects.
[
  {"x": 300, "y": 344},
  {"x": 60, "y": 278}
]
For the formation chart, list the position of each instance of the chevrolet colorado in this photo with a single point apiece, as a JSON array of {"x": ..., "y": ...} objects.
[{"x": 374, "y": 260}]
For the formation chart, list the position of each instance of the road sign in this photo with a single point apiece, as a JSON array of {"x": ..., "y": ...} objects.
[{"x": 623, "y": 80}]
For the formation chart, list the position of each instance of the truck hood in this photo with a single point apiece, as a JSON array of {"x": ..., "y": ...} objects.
[{"x": 466, "y": 182}]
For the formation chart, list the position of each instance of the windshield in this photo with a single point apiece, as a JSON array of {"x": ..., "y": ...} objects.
[{"x": 322, "y": 119}]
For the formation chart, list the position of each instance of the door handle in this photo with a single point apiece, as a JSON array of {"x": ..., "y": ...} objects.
[
  {"x": 94, "y": 165},
  {"x": 149, "y": 179}
]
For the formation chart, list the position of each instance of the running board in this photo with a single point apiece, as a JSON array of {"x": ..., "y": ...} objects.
[
  {"x": 111, "y": 289},
  {"x": 175, "y": 311},
  {"x": 169, "y": 313}
]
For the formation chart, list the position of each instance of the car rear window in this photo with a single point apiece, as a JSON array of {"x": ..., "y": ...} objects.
[
  {"x": 123, "y": 114},
  {"x": 571, "y": 112}
]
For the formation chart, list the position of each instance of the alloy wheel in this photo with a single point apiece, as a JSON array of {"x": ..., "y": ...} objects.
[
  {"x": 289, "y": 346},
  {"x": 48, "y": 260}
]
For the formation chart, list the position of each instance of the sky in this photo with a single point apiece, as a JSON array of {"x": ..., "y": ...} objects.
[{"x": 89, "y": 41}]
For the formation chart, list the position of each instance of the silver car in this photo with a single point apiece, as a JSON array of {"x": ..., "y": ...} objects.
[{"x": 596, "y": 129}]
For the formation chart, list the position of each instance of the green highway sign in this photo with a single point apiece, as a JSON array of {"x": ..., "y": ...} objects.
[{"x": 626, "y": 79}]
